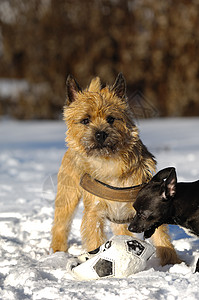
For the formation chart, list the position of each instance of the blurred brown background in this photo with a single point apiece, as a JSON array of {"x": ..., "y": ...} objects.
[{"x": 154, "y": 43}]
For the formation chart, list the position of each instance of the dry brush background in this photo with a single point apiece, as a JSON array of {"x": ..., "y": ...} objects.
[{"x": 154, "y": 43}]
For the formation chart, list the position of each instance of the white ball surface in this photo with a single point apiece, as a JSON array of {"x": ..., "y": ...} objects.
[{"x": 119, "y": 257}]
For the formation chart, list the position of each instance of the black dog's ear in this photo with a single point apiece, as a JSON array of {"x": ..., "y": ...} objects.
[
  {"x": 163, "y": 174},
  {"x": 170, "y": 185},
  {"x": 119, "y": 87},
  {"x": 72, "y": 88}
]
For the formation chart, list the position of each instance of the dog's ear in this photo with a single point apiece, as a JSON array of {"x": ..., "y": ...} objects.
[
  {"x": 163, "y": 174},
  {"x": 95, "y": 85},
  {"x": 72, "y": 88},
  {"x": 170, "y": 185},
  {"x": 119, "y": 87}
]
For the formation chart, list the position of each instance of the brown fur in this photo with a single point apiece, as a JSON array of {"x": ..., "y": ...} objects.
[{"x": 122, "y": 161}]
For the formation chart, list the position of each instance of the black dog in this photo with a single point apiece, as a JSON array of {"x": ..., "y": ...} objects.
[{"x": 166, "y": 202}]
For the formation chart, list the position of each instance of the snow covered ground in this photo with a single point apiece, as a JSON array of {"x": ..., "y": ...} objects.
[{"x": 30, "y": 156}]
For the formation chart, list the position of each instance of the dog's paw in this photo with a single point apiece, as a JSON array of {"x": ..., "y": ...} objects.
[
  {"x": 59, "y": 247},
  {"x": 167, "y": 256}
]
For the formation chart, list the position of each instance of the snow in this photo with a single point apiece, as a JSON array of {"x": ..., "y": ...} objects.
[{"x": 30, "y": 156}]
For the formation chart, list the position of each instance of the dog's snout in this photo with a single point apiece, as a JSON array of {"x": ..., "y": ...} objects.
[
  {"x": 135, "y": 228},
  {"x": 131, "y": 228},
  {"x": 136, "y": 225},
  {"x": 101, "y": 136}
]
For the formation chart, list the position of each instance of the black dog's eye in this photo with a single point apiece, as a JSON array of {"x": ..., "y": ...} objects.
[
  {"x": 150, "y": 218},
  {"x": 85, "y": 121},
  {"x": 141, "y": 215},
  {"x": 110, "y": 120}
]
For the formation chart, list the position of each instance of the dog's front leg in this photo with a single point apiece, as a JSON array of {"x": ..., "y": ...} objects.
[
  {"x": 92, "y": 227},
  {"x": 164, "y": 248},
  {"x": 68, "y": 196}
]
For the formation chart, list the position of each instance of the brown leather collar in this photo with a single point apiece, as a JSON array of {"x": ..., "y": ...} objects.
[{"x": 103, "y": 190}]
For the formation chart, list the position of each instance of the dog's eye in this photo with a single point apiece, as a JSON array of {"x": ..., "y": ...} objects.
[
  {"x": 150, "y": 218},
  {"x": 85, "y": 121},
  {"x": 141, "y": 216},
  {"x": 110, "y": 120}
]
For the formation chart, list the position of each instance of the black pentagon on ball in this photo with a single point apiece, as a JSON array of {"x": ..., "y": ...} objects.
[
  {"x": 104, "y": 267},
  {"x": 135, "y": 247},
  {"x": 95, "y": 251}
]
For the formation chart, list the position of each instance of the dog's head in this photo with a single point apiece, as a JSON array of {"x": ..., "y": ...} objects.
[
  {"x": 99, "y": 120},
  {"x": 153, "y": 202}
]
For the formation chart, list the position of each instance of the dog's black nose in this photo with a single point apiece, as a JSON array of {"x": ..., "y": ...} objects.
[
  {"x": 101, "y": 136},
  {"x": 131, "y": 228}
]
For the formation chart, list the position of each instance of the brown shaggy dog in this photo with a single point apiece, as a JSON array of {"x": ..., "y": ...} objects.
[{"x": 103, "y": 141}]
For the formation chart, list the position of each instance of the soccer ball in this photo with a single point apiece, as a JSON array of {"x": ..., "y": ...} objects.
[{"x": 119, "y": 257}]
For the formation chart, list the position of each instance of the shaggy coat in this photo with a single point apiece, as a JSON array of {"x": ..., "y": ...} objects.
[{"x": 104, "y": 142}]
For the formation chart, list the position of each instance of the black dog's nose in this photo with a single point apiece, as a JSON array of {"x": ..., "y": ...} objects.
[
  {"x": 131, "y": 228},
  {"x": 101, "y": 136}
]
